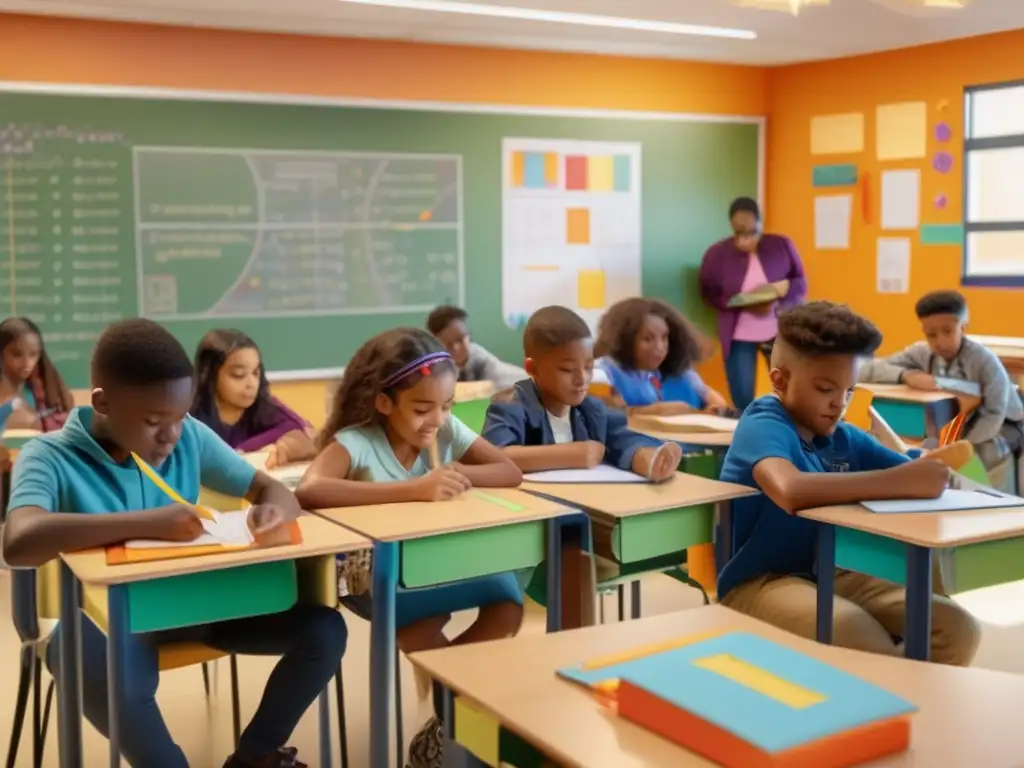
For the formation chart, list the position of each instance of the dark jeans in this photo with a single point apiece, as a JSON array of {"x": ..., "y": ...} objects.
[
  {"x": 310, "y": 639},
  {"x": 741, "y": 369}
]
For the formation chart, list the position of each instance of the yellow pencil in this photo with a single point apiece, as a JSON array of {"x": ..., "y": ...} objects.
[
  {"x": 160, "y": 483},
  {"x": 647, "y": 650},
  {"x": 435, "y": 462}
]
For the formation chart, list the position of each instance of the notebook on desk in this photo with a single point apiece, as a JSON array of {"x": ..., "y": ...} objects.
[
  {"x": 951, "y": 500},
  {"x": 744, "y": 701},
  {"x": 602, "y": 473},
  {"x": 226, "y": 532}
]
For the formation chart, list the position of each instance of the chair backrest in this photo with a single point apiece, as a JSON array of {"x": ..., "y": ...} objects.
[{"x": 858, "y": 410}]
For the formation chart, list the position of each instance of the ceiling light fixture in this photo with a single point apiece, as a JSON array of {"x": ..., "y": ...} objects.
[{"x": 559, "y": 17}]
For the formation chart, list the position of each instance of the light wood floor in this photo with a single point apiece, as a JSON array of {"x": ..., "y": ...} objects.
[{"x": 203, "y": 727}]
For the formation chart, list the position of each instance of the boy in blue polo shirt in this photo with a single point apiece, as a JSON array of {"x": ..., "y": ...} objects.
[
  {"x": 794, "y": 447},
  {"x": 79, "y": 488}
]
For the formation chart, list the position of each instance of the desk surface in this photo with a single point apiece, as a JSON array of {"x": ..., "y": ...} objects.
[
  {"x": 928, "y": 529},
  {"x": 419, "y": 519},
  {"x": 627, "y": 499},
  {"x": 962, "y": 721},
  {"x": 705, "y": 439},
  {"x": 319, "y": 537},
  {"x": 905, "y": 394}
]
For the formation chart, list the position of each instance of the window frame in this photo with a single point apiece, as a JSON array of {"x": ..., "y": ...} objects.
[{"x": 1015, "y": 141}]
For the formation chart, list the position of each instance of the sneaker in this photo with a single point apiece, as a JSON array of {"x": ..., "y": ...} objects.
[
  {"x": 285, "y": 757},
  {"x": 427, "y": 747}
]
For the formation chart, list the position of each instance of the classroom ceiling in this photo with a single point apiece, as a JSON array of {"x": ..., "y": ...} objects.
[{"x": 842, "y": 28}]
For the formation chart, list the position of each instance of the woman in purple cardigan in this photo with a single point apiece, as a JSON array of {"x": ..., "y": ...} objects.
[
  {"x": 738, "y": 264},
  {"x": 233, "y": 399}
]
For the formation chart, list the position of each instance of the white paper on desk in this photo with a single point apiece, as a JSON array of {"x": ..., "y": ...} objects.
[
  {"x": 951, "y": 500},
  {"x": 832, "y": 214},
  {"x": 229, "y": 529},
  {"x": 892, "y": 265},
  {"x": 901, "y": 199},
  {"x": 699, "y": 422},
  {"x": 599, "y": 474}
]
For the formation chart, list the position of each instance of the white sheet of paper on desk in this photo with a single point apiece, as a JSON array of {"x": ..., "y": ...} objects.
[
  {"x": 700, "y": 422},
  {"x": 230, "y": 529},
  {"x": 599, "y": 474},
  {"x": 951, "y": 500},
  {"x": 961, "y": 387}
]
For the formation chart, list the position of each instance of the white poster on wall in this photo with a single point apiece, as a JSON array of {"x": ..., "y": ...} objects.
[{"x": 571, "y": 226}]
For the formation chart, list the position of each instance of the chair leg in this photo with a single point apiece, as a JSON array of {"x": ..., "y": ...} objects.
[
  {"x": 37, "y": 709},
  {"x": 46, "y": 722},
  {"x": 339, "y": 689},
  {"x": 206, "y": 679},
  {"x": 622, "y": 602},
  {"x": 24, "y": 682},
  {"x": 600, "y": 606},
  {"x": 236, "y": 713},
  {"x": 399, "y": 735},
  {"x": 634, "y": 602}
]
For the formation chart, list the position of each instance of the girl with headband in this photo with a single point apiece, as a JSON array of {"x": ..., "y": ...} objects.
[{"x": 391, "y": 437}]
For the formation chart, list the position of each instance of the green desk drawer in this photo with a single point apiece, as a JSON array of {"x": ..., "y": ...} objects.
[
  {"x": 906, "y": 419},
  {"x": 211, "y": 596},
  {"x": 472, "y": 413},
  {"x": 963, "y": 568},
  {"x": 642, "y": 537},
  {"x": 469, "y": 554}
]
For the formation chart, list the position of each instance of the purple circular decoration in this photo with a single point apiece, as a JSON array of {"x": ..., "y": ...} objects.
[
  {"x": 942, "y": 162},
  {"x": 943, "y": 132},
  {"x": 941, "y": 201}
]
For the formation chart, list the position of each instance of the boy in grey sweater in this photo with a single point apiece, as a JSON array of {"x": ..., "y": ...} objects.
[
  {"x": 474, "y": 363},
  {"x": 995, "y": 427}
]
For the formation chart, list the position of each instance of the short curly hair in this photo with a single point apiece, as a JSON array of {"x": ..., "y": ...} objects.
[
  {"x": 821, "y": 328},
  {"x": 444, "y": 316},
  {"x": 617, "y": 331},
  {"x": 139, "y": 353},
  {"x": 941, "y": 303}
]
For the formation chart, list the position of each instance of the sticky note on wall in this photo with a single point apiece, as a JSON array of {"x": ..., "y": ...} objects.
[
  {"x": 576, "y": 173},
  {"x": 837, "y": 134},
  {"x": 834, "y": 175},
  {"x": 901, "y": 130},
  {"x": 591, "y": 289},
  {"x": 577, "y": 226},
  {"x": 601, "y": 173},
  {"x": 518, "y": 169}
]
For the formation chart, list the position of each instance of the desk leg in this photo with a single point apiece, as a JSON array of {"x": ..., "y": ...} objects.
[
  {"x": 723, "y": 535},
  {"x": 325, "y": 728},
  {"x": 117, "y": 631},
  {"x": 568, "y": 538},
  {"x": 69, "y": 699},
  {"x": 382, "y": 652},
  {"x": 917, "y": 643},
  {"x": 826, "y": 581}
]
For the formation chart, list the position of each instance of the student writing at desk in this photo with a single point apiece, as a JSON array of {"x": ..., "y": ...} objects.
[
  {"x": 794, "y": 447},
  {"x": 233, "y": 399},
  {"x": 551, "y": 422},
  {"x": 646, "y": 352},
  {"x": 79, "y": 488},
  {"x": 995, "y": 427},
  {"x": 392, "y": 410},
  {"x": 29, "y": 375}
]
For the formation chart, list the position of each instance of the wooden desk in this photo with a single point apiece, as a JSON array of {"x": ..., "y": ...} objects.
[
  {"x": 211, "y": 587},
  {"x": 976, "y": 548},
  {"x": 915, "y": 413},
  {"x": 482, "y": 532},
  {"x": 644, "y": 527},
  {"x": 962, "y": 722},
  {"x": 719, "y": 441}
]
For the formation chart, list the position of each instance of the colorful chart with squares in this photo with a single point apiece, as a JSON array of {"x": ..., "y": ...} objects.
[
  {"x": 575, "y": 172},
  {"x": 571, "y": 226}
]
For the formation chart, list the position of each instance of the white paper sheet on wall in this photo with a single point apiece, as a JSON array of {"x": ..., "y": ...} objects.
[
  {"x": 893, "y": 265},
  {"x": 901, "y": 199},
  {"x": 832, "y": 222}
]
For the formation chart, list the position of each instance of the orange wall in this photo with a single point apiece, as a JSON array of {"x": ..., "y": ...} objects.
[{"x": 933, "y": 74}]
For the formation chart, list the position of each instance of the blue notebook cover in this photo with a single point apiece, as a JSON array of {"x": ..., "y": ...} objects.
[{"x": 839, "y": 701}]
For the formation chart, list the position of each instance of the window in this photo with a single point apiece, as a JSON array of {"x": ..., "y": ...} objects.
[{"x": 994, "y": 185}]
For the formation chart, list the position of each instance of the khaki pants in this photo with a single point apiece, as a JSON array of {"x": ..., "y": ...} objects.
[{"x": 868, "y": 614}]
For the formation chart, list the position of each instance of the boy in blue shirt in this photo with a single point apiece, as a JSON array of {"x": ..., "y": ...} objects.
[
  {"x": 79, "y": 488},
  {"x": 551, "y": 422},
  {"x": 794, "y": 446}
]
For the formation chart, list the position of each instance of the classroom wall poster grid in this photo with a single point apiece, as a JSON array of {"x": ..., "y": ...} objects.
[{"x": 570, "y": 226}]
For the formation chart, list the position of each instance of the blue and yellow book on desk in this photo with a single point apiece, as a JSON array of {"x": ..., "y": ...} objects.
[{"x": 744, "y": 701}]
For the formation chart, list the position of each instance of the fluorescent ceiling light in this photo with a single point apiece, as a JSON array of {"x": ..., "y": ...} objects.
[{"x": 559, "y": 17}]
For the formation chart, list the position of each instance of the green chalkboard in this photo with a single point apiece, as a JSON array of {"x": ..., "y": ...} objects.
[{"x": 310, "y": 227}]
